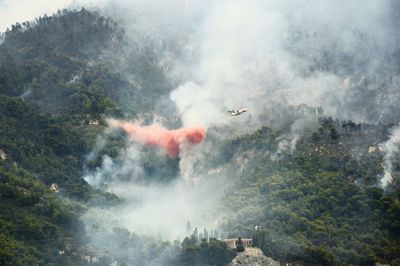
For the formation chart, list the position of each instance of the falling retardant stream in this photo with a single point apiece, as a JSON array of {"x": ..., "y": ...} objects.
[{"x": 171, "y": 141}]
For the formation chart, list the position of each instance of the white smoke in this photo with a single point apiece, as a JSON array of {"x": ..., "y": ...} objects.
[
  {"x": 235, "y": 38},
  {"x": 153, "y": 205},
  {"x": 160, "y": 210},
  {"x": 252, "y": 53},
  {"x": 235, "y": 54},
  {"x": 390, "y": 148}
]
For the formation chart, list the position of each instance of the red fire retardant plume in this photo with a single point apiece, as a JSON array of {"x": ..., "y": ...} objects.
[{"x": 169, "y": 140}]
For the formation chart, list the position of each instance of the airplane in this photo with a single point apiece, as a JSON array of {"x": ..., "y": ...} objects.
[{"x": 237, "y": 112}]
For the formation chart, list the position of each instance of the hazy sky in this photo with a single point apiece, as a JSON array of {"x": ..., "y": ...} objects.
[{"x": 12, "y": 11}]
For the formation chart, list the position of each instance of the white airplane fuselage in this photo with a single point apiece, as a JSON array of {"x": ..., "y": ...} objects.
[{"x": 238, "y": 112}]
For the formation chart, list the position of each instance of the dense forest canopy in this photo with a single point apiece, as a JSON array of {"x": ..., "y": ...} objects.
[{"x": 304, "y": 184}]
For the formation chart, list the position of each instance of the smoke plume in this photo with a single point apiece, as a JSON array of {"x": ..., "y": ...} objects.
[
  {"x": 257, "y": 54},
  {"x": 390, "y": 148}
]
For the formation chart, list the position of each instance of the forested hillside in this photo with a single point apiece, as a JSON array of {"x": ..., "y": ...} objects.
[
  {"x": 37, "y": 227},
  {"x": 319, "y": 204},
  {"x": 67, "y": 64},
  {"x": 46, "y": 103}
]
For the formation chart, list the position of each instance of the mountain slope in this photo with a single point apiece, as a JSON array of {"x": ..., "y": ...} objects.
[{"x": 318, "y": 204}]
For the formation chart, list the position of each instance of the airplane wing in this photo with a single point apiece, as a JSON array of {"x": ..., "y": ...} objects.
[{"x": 237, "y": 112}]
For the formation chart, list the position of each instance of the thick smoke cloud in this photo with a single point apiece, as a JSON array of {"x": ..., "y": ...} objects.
[
  {"x": 158, "y": 200},
  {"x": 259, "y": 53},
  {"x": 151, "y": 205}
]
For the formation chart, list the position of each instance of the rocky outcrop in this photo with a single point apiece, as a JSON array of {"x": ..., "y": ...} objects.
[{"x": 248, "y": 260}]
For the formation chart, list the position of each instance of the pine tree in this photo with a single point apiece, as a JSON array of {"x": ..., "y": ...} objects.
[{"x": 239, "y": 246}]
